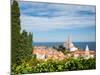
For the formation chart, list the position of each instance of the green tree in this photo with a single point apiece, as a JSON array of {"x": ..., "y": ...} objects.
[
  {"x": 30, "y": 45},
  {"x": 21, "y": 43},
  {"x": 25, "y": 46},
  {"x": 61, "y": 48},
  {"x": 15, "y": 30}
]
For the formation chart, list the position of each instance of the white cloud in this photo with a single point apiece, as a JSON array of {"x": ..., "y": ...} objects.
[
  {"x": 54, "y": 10},
  {"x": 63, "y": 16},
  {"x": 31, "y": 23}
]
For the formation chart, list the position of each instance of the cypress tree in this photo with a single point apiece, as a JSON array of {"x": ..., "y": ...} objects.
[
  {"x": 21, "y": 43},
  {"x": 30, "y": 43},
  {"x": 23, "y": 47},
  {"x": 15, "y": 30}
]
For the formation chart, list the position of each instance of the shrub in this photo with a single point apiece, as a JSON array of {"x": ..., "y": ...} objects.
[{"x": 37, "y": 66}]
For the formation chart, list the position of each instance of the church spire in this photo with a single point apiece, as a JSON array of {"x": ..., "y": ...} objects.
[
  {"x": 87, "y": 48},
  {"x": 69, "y": 39},
  {"x": 69, "y": 45}
]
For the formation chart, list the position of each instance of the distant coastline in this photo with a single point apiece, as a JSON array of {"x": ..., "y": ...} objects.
[{"x": 81, "y": 45}]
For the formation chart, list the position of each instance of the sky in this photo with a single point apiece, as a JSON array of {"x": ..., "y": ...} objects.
[{"x": 50, "y": 22}]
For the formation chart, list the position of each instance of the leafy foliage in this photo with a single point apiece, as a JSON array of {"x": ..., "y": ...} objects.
[
  {"x": 37, "y": 66},
  {"x": 22, "y": 68}
]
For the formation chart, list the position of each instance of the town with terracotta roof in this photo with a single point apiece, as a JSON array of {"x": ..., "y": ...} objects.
[{"x": 43, "y": 52}]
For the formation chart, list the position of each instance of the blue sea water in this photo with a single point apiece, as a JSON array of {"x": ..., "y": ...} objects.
[{"x": 81, "y": 45}]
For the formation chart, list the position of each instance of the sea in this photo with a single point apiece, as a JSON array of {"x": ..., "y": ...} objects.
[{"x": 81, "y": 45}]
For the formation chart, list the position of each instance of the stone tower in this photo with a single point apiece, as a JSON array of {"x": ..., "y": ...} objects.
[{"x": 69, "y": 45}]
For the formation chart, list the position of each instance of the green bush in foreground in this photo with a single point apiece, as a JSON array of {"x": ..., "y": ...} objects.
[{"x": 37, "y": 66}]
